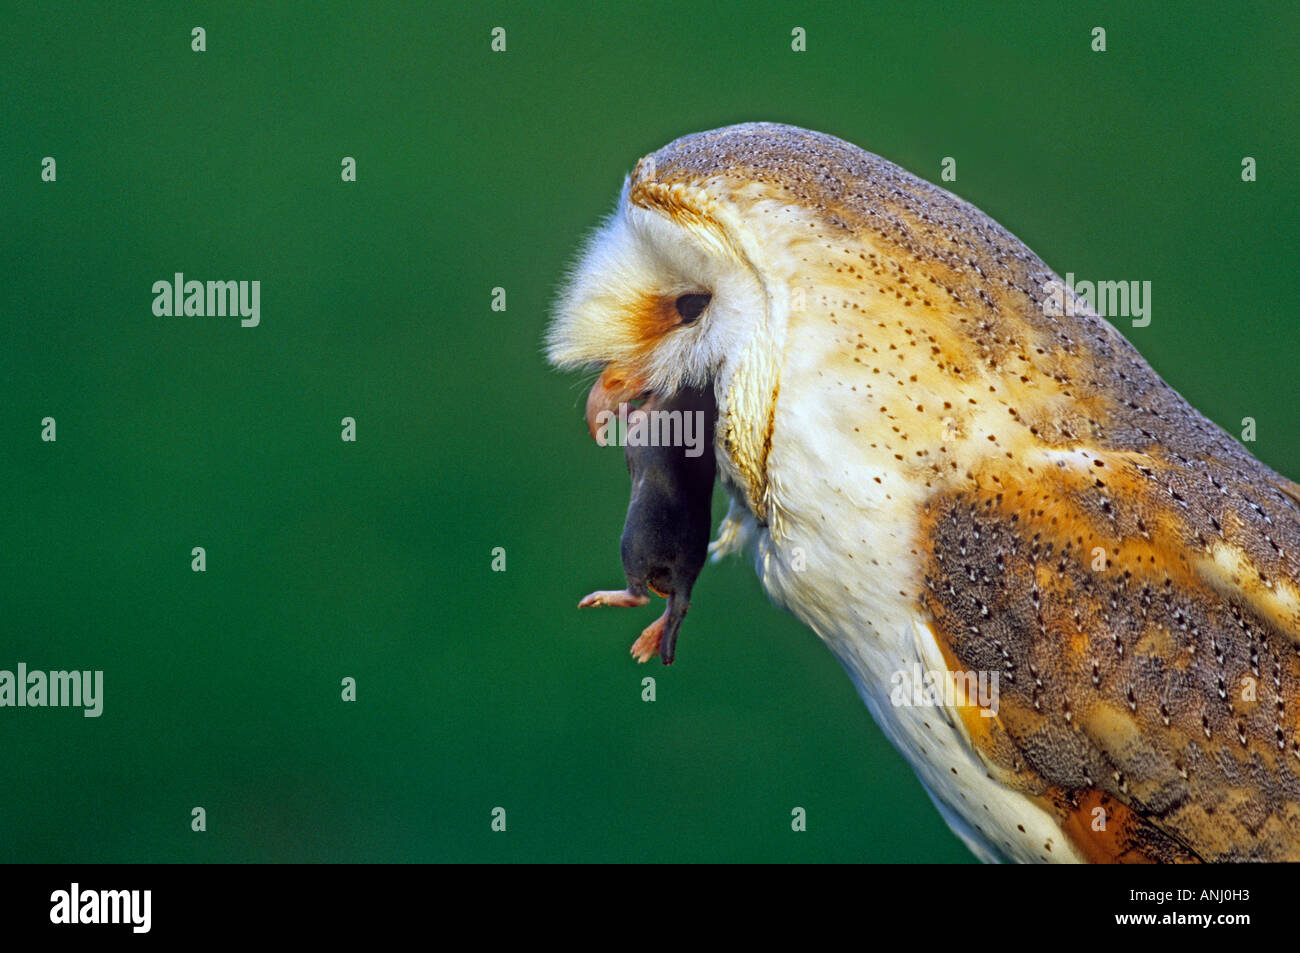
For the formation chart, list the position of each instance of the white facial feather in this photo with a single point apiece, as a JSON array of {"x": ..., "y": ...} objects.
[{"x": 638, "y": 254}]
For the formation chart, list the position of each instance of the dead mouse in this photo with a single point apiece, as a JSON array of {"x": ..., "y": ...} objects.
[{"x": 666, "y": 533}]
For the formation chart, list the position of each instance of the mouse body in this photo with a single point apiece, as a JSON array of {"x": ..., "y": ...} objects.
[{"x": 669, "y": 516}]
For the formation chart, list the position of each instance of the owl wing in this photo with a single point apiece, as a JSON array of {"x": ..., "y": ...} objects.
[
  {"x": 1140, "y": 612},
  {"x": 1289, "y": 488}
]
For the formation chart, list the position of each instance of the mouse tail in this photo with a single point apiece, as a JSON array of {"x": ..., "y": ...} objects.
[{"x": 678, "y": 603}]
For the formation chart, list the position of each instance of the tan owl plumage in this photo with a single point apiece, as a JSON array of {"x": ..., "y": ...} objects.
[{"x": 937, "y": 471}]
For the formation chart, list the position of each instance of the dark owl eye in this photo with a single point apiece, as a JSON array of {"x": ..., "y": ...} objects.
[{"x": 691, "y": 307}]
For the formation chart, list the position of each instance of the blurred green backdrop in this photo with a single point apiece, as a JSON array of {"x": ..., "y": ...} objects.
[{"x": 372, "y": 560}]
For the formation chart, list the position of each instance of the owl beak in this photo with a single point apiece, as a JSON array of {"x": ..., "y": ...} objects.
[{"x": 616, "y": 386}]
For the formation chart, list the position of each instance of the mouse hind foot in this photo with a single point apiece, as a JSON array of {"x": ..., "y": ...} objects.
[
  {"x": 660, "y": 636},
  {"x": 647, "y": 646}
]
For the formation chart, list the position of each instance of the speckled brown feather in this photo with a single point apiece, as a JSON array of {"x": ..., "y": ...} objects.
[{"x": 1159, "y": 683}]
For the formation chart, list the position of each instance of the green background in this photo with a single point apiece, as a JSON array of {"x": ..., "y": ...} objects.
[{"x": 372, "y": 560}]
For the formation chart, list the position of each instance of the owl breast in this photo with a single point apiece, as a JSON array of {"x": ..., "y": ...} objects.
[{"x": 842, "y": 547}]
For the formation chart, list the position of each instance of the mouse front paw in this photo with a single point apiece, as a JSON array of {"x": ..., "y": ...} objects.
[{"x": 621, "y": 598}]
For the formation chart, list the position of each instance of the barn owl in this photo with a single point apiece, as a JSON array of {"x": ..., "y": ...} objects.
[{"x": 940, "y": 470}]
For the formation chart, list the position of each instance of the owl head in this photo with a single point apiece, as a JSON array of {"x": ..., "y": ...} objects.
[
  {"x": 669, "y": 292},
  {"x": 752, "y": 256}
]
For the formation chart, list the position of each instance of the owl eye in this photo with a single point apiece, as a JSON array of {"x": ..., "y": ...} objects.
[{"x": 691, "y": 307}]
